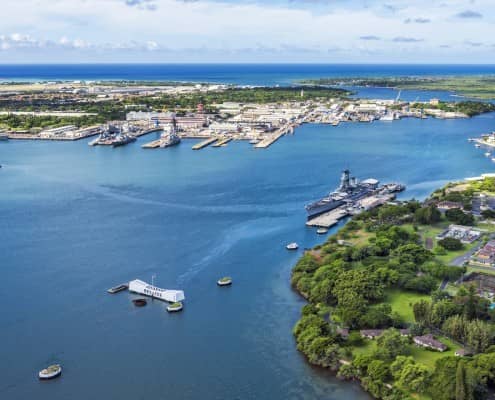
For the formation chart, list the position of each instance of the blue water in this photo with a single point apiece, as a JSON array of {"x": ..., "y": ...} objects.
[
  {"x": 76, "y": 220},
  {"x": 241, "y": 74}
]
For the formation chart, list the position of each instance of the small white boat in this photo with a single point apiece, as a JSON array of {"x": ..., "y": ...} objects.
[
  {"x": 493, "y": 159},
  {"x": 322, "y": 231},
  {"x": 174, "y": 307},
  {"x": 488, "y": 154},
  {"x": 225, "y": 281},
  {"x": 50, "y": 372},
  {"x": 254, "y": 141},
  {"x": 477, "y": 145},
  {"x": 292, "y": 246}
]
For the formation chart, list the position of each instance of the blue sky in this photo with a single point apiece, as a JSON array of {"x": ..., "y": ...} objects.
[{"x": 330, "y": 31}]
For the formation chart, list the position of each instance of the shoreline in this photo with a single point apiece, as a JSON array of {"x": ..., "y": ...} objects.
[{"x": 335, "y": 352}]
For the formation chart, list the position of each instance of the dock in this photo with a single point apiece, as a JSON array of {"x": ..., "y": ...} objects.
[
  {"x": 268, "y": 141},
  {"x": 118, "y": 288},
  {"x": 204, "y": 143},
  {"x": 152, "y": 145},
  {"x": 145, "y": 132},
  {"x": 328, "y": 219},
  {"x": 222, "y": 142}
]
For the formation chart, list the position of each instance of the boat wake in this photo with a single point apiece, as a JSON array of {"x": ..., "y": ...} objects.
[{"x": 251, "y": 229}]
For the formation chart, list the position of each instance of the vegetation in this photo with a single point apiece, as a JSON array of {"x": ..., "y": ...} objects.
[
  {"x": 260, "y": 95},
  {"x": 449, "y": 243},
  {"x": 469, "y": 108},
  {"x": 384, "y": 278},
  {"x": 115, "y": 109},
  {"x": 481, "y": 87},
  {"x": 29, "y": 122}
]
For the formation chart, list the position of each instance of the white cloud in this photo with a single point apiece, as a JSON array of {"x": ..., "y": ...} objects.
[{"x": 159, "y": 30}]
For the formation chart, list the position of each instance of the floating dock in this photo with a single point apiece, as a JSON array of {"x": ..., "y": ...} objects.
[
  {"x": 328, "y": 219},
  {"x": 222, "y": 142},
  {"x": 204, "y": 143},
  {"x": 118, "y": 288}
]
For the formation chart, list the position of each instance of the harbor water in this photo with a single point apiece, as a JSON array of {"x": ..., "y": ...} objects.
[{"x": 77, "y": 220}]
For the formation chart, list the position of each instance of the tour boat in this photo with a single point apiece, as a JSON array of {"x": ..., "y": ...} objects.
[
  {"x": 174, "y": 307},
  {"x": 292, "y": 246},
  {"x": 50, "y": 372},
  {"x": 225, "y": 281}
]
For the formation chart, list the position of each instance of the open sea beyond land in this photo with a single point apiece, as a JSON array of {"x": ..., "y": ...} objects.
[
  {"x": 76, "y": 220},
  {"x": 249, "y": 74}
]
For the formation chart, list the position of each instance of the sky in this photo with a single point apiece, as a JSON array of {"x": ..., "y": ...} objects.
[{"x": 301, "y": 31}]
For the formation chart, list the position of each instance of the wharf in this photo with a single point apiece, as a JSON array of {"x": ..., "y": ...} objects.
[
  {"x": 204, "y": 143},
  {"x": 329, "y": 219},
  {"x": 145, "y": 132},
  {"x": 55, "y": 138},
  {"x": 267, "y": 142},
  {"x": 222, "y": 142},
  {"x": 152, "y": 145}
]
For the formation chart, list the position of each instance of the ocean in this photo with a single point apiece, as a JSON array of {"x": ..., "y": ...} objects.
[
  {"x": 76, "y": 220},
  {"x": 239, "y": 74}
]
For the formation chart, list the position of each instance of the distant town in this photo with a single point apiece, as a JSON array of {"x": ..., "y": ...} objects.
[{"x": 119, "y": 112}]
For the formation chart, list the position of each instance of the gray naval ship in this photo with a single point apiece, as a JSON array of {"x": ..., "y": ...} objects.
[
  {"x": 349, "y": 191},
  {"x": 170, "y": 138}
]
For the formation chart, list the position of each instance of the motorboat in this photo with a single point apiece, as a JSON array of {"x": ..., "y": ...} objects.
[
  {"x": 225, "y": 281},
  {"x": 175, "y": 307},
  {"x": 50, "y": 372},
  {"x": 292, "y": 246}
]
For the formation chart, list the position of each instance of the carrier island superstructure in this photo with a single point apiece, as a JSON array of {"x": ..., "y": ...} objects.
[{"x": 351, "y": 197}]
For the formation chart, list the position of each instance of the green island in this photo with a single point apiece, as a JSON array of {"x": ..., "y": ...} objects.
[
  {"x": 393, "y": 304},
  {"x": 469, "y": 108},
  {"x": 481, "y": 87}
]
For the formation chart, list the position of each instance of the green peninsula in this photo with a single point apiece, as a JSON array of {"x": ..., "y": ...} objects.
[
  {"x": 394, "y": 301},
  {"x": 480, "y": 87}
]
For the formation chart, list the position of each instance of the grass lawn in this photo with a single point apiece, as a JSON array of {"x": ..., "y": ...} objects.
[
  {"x": 486, "y": 227},
  {"x": 360, "y": 237},
  {"x": 447, "y": 258},
  {"x": 423, "y": 356},
  {"x": 402, "y": 301},
  {"x": 487, "y": 270},
  {"x": 428, "y": 357}
]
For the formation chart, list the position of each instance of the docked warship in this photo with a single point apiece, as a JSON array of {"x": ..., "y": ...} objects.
[
  {"x": 171, "y": 138},
  {"x": 350, "y": 191}
]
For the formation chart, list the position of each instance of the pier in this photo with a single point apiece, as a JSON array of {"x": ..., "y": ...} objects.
[
  {"x": 152, "y": 145},
  {"x": 204, "y": 143},
  {"x": 222, "y": 142},
  {"x": 329, "y": 219},
  {"x": 267, "y": 142},
  {"x": 145, "y": 132}
]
